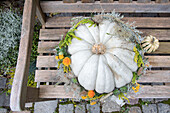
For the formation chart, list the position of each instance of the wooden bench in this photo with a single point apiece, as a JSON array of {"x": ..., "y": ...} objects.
[{"x": 53, "y": 28}]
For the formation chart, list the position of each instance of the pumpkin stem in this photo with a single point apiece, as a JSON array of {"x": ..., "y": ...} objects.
[
  {"x": 98, "y": 49},
  {"x": 153, "y": 40}
]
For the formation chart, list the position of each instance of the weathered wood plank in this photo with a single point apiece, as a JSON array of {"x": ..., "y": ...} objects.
[
  {"x": 106, "y": 1},
  {"x": 161, "y": 34},
  {"x": 19, "y": 87},
  {"x": 124, "y": 1},
  {"x": 48, "y": 47},
  {"x": 140, "y": 22},
  {"x": 87, "y": 1},
  {"x": 55, "y": 34},
  {"x": 54, "y": 91},
  {"x": 150, "y": 76},
  {"x": 155, "y": 76},
  {"x": 152, "y": 92},
  {"x": 69, "y": 1},
  {"x": 47, "y": 75},
  {"x": 33, "y": 95},
  {"x": 143, "y": 1},
  {"x": 164, "y": 48},
  {"x": 155, "y": 61},
  {"x": 159, "y": 61},
  {"x": 162, "y": 1},
  {"x": 51, "y": 91},
  {"x": 134, "y": 7},
  {"x": 52, "y": 34},
  {"x": 39, "y": 13}
]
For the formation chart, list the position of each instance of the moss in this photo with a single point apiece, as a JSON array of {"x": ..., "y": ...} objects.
[{"x": 166, "y": 102}]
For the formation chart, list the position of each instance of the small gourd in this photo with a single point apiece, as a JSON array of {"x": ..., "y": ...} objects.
[
  {"x": 150, "y": 44},
  {"x": 102, "y": 61}
]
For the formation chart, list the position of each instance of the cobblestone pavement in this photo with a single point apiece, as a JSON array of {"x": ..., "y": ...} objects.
[{"x": 63, "y": 106}]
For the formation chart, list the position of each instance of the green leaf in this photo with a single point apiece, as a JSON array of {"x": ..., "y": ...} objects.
[
  {"x": 134, "y": 77},
  {"x": 74, "y": 80},
  {"x": 108, "y": 34},
  {"x": 123, "y": 89},
  {"x": 116, "y": 92}
]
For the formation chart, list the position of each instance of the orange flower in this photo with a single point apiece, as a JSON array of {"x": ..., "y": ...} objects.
[
  {"x": 91, "y": 93},
  {"x": 66, "y": 61},
  {"x": 83, "y": 97},
  {"x": 61, "y": 56},
  {"x": 56, "y": 57},
  {"x": 92, "y": 103}
]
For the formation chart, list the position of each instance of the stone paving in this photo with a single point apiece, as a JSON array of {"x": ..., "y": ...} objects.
[{"x": 55, "y": 106}]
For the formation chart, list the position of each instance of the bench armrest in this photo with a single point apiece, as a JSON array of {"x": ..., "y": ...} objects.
[{"x": 19, "y": 87}]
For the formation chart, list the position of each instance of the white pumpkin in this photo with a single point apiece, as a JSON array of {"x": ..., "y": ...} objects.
[
  {"x": 150, "y": 44},
  {"x": 101, "y": 61}
]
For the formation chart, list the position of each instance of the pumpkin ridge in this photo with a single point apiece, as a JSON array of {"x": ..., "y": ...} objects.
[
  {"x": 97, "y": 70},
  {"x": 79, "y": 32},
  {"x": 111, "y": 69},
  {"x": 92, "y": 33},
  {"x": 85, "y": 79},
  {"x": 109, "y": 33},
  {"x": 110, "y": 75},
  {"x": 85, "y": 63},
  {"x": 121, "y": 62},
  {"x": 114, "y": 73},
  {"x": 101, "y": 41},
  {"x": 120, "y": 48}
]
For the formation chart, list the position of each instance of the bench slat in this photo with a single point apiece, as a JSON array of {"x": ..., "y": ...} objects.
[
  {"x": 52, "y": 91},
  {"x": 155, "y": 61},
  {"x": 59, "y": 6},
  {"x": 150, "y": 76},
  {"x": 52, "y": 34},
  {"x": 162, "y": 1},
  {"x": 87, "y": 1},
  {"x": 152, "y": 92},
  {"x": 143, "y": 1},
  {"x": 48, "y": 47},
  {"x": 55, "y": 34},
  {"x": 124, "y": 1},
  {"x": 140, "y": 22},
  {"x": 69, "y": 1},
  {"x": 106, "y": 1},
  {"x": 155, "y": 76}
]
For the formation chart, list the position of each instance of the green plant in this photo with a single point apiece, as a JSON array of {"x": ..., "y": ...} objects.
[
  {"x": 124, "y": 109},
  {"x": 35, "y": 40},
  {"x": 10, "y": 24}
]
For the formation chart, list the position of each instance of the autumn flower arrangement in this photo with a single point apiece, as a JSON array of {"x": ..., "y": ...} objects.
[{"x": 64, "y": 62}]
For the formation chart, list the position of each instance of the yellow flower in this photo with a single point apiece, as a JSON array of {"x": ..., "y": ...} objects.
[
  {"x": 137, "y": 84},
  {"x": 92, "y": 103},
  {"x": 83, "y": 97},
  {"x": 133, "y": 88},
  {"x": 134, "y": 49},
  {"x": 136, "y": 58},
  {"x": 74, "y": 105},
  {"x": 137, "y": 88},
  {"x": 136, "y": 91},
  {"x": 61, "y": 56},
  {"x": 66, "y": 61},
  {"x": 56, "y": 57}
]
